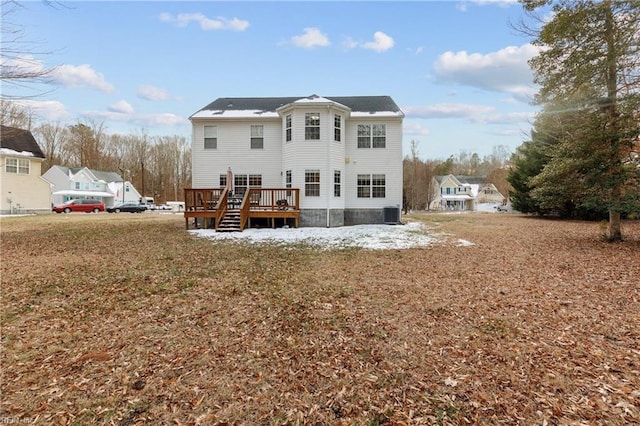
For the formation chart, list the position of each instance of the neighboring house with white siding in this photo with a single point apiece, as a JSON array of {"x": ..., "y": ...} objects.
[
  {"x": 343, "y": 153},
  {"x": 69, "y": 183},
  {"x": 23, "y": 189}
]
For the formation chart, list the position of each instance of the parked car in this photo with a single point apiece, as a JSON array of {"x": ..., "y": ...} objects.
[
  {"x": 127, "y": 207},
  {"x": 502, "y": 208},
  {"x": 85, "y": 205}
]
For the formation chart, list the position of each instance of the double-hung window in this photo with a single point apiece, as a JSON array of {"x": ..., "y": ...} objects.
[
  {"x": 312, "y": 126},
  {"x": 336, "y": 183},
  {"x": 337, "y": 127},
  {"x": 257, "y": 136},
  {"x": 210, "y": 137},
  {"x": 371, "y": 186},
  {"x": 372, "y": 135},
  {"x": 287, "y": 126},
  {"x": 288, "y": 179},
  {"x": 17, "y": 165},
  {"x": 312, "y": 183}
]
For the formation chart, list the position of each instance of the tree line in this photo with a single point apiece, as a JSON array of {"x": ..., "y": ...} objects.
[{"x": 157, "y": 166}]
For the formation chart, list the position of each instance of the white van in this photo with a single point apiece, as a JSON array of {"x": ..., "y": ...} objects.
[{"x": 176, "y": 206}]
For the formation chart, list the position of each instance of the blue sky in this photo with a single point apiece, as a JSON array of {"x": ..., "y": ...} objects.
[{"x": 457, "y": 69}]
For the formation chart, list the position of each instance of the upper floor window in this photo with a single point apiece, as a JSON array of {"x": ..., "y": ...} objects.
[
  {"x": 287, "y": 126},
  {"x": 210, "y": 137},
  {"x": 372, "y": 135},
  {"x": 312, "y": 183},
  {"x": 257, "y": 136},
  {"x": 17, "y": 165},
  {"x": 312, "y": 126},
  {"x": 337, "y": 127},
  {"x": 371, "y": 186}
]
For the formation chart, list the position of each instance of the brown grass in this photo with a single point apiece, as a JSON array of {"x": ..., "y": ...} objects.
[{"x": 128, "y": 319}]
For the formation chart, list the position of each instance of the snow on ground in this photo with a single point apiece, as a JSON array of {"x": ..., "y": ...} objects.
[{"x": 375, "y": 237}]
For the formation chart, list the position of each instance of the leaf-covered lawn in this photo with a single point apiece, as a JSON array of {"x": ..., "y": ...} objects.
[{"x": 124, "y": 320}]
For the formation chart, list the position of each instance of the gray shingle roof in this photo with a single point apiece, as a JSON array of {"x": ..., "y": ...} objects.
[
  {"x": 355, "y": 103},
  {"x": 19, "y": 140}
]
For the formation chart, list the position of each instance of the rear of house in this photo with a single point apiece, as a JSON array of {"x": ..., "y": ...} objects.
[{"x": 344, "y": 154}]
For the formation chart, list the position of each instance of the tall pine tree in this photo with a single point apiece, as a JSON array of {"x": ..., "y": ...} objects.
[{"x": 590, "y": 60}]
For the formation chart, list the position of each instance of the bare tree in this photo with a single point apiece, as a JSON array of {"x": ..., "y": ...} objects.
[{"x": 19, "y": 63}]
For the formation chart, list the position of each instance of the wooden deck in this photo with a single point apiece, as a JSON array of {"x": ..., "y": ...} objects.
[{"x": 216, "y": 207}]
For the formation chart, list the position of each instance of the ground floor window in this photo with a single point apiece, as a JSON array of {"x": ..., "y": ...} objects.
[
  {"x": 242, "y": 182},
  {"x": 336, "y": 183},
  {"x": 371, "y": 186},
  {"x": 312, "y": 183}
]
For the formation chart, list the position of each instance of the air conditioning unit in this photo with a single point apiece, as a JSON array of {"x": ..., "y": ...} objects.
[{"x": 391, "y": 215}]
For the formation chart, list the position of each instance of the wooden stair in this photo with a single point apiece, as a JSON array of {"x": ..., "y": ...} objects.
[{"x": 230, "y": 222}]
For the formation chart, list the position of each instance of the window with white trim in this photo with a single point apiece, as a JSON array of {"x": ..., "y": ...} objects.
[
  {"x": 242, "y": 182},
  {"x": 337, "y": 127},
  {"x": 371, "y": 186},
  {"x": 287, "y": 126},
  {"x": 210, "y": 137},
  {"x": 17, "y": 166},
  {"x": 288, "y": 177},
  {"x": 372, "y": 135},
  {"x": 312, "y": 183},
  {"x": 337, "y": 186},
  {"x": 312, "y": 126},
  {"x": 257, "y": 136}
]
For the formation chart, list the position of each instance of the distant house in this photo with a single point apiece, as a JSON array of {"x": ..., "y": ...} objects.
[
  {"x": 342, "y": 155},
  {"x": 463, "y": 193},
  {"x": 23, "y": 188},
  {"x": 83, "y": 183}
]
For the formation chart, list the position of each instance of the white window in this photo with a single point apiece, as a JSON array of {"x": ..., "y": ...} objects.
[
  {"x": 372, "y": 136},
  {"x": 242, "y": 182},
  {"x": 312, "y": 126},
  {"x": 17, "y": 165},
  {"x": 312, "y": 183},
  {"x": 210, "y": 137},
  {"x": 288, "y": 179},
  {"x": 371, "y": 186},
  {"x": 337, "y": 127},
  {"x": 257, "y": 136},
  {"x": 336, "y": 183},
  {"x": 287, "y": 126}
]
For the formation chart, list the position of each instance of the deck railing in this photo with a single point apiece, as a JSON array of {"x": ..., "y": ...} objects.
[{"x": 212, "y": 204}]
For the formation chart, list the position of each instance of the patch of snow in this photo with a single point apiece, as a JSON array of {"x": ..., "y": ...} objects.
[
  {"x": 374, "y": 237},
  {"x": 7, "y": 151}
]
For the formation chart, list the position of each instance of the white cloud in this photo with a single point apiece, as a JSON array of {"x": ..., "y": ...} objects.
[
  {"x": 311, "y": 38},
  {"x": 414, "y": 128},
  {"x": 381, "y": 43},
  {"x": 47, "y": 110},
  {"x": 504, "y": 71},
  {"x": 206, "y": 24},
  {"x": 448, "y": 111},
  {"x": 138, "y": 119},
  {"x": 152, "y": 93},
  {"x": 484, "y": 114},
  {"x": 122, "y": 107},
  {"x": 81, "y": 76}
]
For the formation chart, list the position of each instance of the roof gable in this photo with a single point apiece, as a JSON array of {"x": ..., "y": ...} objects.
[{"x": 20, "y": 141}]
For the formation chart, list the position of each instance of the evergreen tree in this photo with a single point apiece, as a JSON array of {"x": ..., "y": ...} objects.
[{"x": 589, "y": 61}]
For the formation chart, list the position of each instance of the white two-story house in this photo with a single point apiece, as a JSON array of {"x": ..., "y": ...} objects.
[
  {"x": 69, "y": 183},
  {"x": 343, "y": 153}
]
